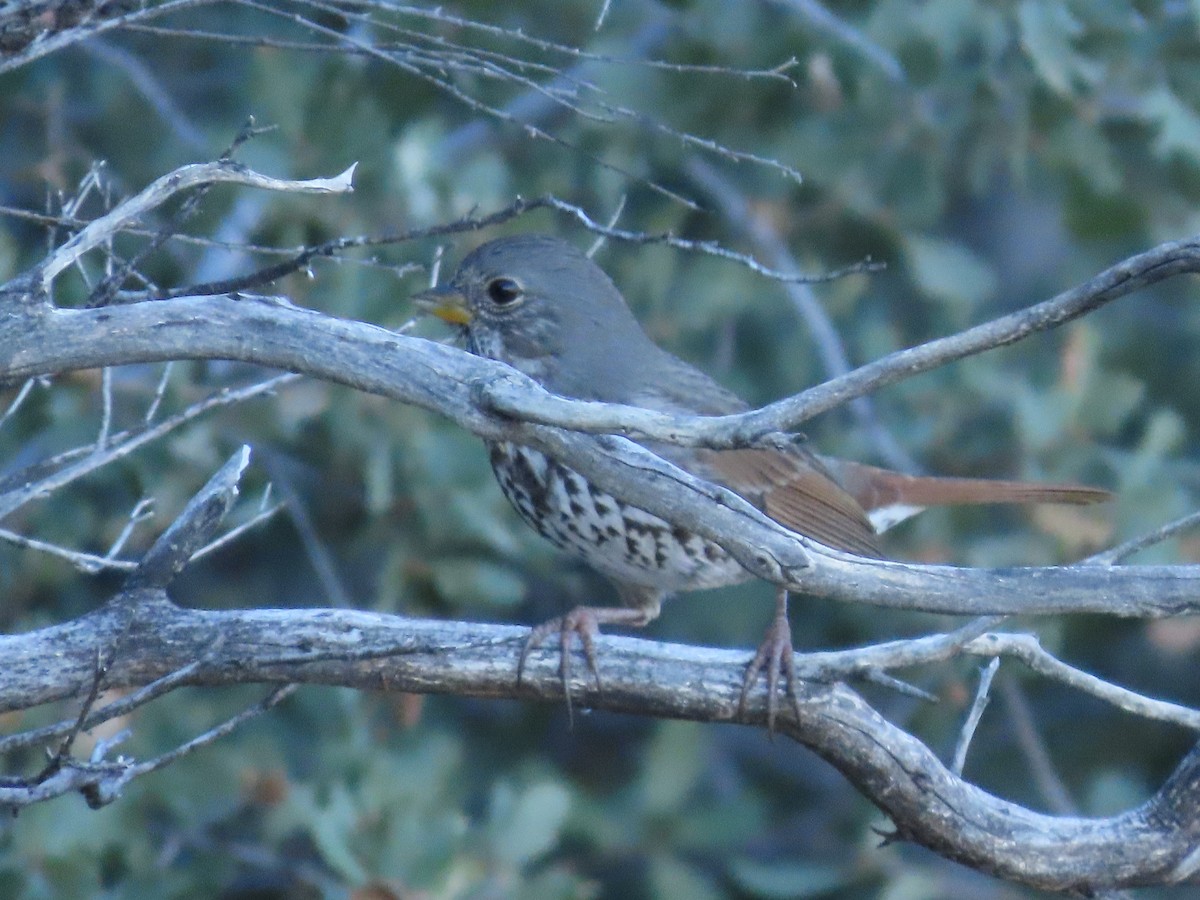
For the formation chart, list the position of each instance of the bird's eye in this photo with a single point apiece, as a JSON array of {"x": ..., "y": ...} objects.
[{"x": 504, "y": 291}]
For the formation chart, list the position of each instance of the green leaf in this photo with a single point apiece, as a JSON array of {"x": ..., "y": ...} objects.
[
  {"x": 1178, "y": 124},
  {"x": 1048, "y": 33},
  {"x": 475, "y": 582},
  {"x": 786, "y": 879},
  {"x": 670, "y": 877},
  {"x": 331, "y": 823},
  {"x": 948, "y": 271},
  {"x": 674, "y": 763},
  {"x": 526, "y": 825}
]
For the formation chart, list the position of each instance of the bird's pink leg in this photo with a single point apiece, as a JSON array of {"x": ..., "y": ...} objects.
[{"x": 774, "y": 655}]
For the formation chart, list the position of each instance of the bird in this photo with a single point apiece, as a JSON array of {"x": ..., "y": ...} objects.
[{"x": 540, "y": 305}]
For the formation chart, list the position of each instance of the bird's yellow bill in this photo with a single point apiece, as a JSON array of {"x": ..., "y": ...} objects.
[{"x": 446, "y": 303}]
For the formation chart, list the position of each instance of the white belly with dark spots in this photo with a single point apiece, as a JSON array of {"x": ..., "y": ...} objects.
[{"x": 622, "y": 541}]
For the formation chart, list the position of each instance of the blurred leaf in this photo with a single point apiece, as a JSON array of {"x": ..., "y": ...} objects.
[
  {"x": 674, "y": 878},
  {"x": 1083, "y": 149},
  {"x": 1080, "y": 530},
  {"x": 471, "y": 582},
  {"x": 673, "y": 764},
  {"x": 949, "y": 271},
  {"x": 332, "y": 821},
  {"x": 1164, "y": 434},
  {"x": 1048, "y": 32},
  {"x": 914, "y": 884},
  {"x": 1110, "y": 399},
  {"x": 1178, "y": 125},
  {"x": 524, "y": 825},
  {"x": 781, "y": 880}
]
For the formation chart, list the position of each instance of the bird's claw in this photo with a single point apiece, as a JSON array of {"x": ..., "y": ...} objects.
[
  {"x": 582, "y": 622},
  {"x": 775, "y": 657}
]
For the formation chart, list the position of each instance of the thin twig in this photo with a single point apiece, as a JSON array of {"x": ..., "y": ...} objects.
[
  {"x": 830, "y": 348},
  {"x": 160, "y": 391},
  {"x": 1028, "y": 650},
  {"x": 84, "y": 562},
  {"x": 274, "y": 698},
  {"x": 124, "y": 443},
  {"x": 117, "y": 708},
  {"x": 237, "y": 531},
  {"x": 22, "y": 395},
  {"x": 986, "y": 674},
  {"x": 102, "y": 229},
  {"x": 1122, "y": 552}
]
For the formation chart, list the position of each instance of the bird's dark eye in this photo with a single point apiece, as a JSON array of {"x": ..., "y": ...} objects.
[{"x": 504, "y": 291}]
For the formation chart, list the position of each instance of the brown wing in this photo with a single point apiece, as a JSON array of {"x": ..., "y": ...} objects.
[{"x": 794, "y": 489}]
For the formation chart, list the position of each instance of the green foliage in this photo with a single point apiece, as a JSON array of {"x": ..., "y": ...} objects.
[{"x": 1027, "y": 146}]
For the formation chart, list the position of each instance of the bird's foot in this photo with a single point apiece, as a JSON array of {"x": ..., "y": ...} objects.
[
  {"x": 583, "y": 622},
  {"x": 775, "y": 658}
]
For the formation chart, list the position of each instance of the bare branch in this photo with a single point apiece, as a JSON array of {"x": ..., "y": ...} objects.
[
  {"x": 17, "y": 401},
  {"x": 925, "y": 800},
  {"x": 830, "y": 348},
  {"x": 709, "y": 248},
  {"x": 1122, "y": 552},
  {"x": 272, "y": 699},
  {"x": 52, "y": 475},
  {"x": 319, "y": 556},
  {"x": 1026, "y": 648},
  {"x": 125, "y": 705},
  {"x": 438, "y": 377},
  {"x": 193, "y": 528},
  {"x": 531, "y": 403},
  {"x": 147, "y": 84},
  {"x": 1029, "y": 739},
  {"x": 982, "y": 692},
  {"x": 101, "y": 782},
  {"x": 84, "y": 562},
  {"x": 161, "y": 190},
  {"x": 821, "y": 18},
  {"x": 263, "y": 515}
]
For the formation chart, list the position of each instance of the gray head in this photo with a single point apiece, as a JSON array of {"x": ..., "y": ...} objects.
[{"x": 540, "y": 305}]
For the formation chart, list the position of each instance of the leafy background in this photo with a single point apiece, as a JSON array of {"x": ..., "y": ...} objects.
[{"x": 990, "y": 154}]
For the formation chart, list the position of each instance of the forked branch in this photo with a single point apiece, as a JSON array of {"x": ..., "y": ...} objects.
[{"x": 144, "y": 641}]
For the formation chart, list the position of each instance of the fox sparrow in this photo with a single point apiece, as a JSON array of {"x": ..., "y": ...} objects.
[{"x": 540, "y": 305}]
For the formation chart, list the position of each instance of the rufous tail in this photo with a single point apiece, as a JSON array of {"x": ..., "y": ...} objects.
[{"x": 876, "y": 488}]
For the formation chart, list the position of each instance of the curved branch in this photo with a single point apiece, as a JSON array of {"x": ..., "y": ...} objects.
[
  {"x": 1162, "y": 262},
  {"x": 1028, "y": 649},
  {"x": 146, "y": 637},
  {"x": 162, "y": 189},
  {"x": 438, "y": 378}
]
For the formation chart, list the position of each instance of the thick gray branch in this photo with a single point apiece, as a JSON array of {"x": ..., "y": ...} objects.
[
  {"x": 439, "y": 378},
  {"x": 144, "y": 636}
]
